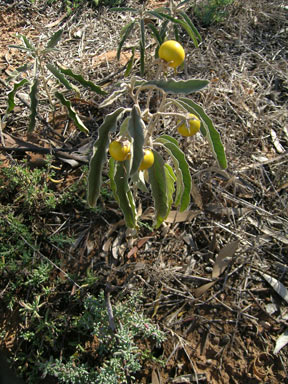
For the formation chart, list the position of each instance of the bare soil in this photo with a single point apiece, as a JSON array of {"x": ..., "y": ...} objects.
[{"x": 227, "y": 332}]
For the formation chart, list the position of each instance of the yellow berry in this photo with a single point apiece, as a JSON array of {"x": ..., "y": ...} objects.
[
  {"x": 148, "y": 160},
  {"x": 172, "y": 52},
  {"x": 191, "y": 127},
  {"x": 120, "y": 151}
]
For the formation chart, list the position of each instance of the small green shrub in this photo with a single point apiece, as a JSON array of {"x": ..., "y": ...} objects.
[{"x": 212, "y": 11}]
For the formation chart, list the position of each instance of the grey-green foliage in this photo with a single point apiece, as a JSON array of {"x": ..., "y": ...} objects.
[
  {"x": 33, "y": 76},
  {"x": 118, "y": 352},
  {"x": 161, "y": 21}
]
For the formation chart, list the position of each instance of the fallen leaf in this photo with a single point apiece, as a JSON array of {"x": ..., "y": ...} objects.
[
  {"x": 181, "y": 217},
  {"x": 276, "y": 285},
  {"x": 223, "y": 259},
  {"x": 199, "y": 291},
  {"x": 281, "y": 342}
]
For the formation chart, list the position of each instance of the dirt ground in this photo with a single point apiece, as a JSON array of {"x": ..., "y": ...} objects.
[{"x": 226, "y": 331}]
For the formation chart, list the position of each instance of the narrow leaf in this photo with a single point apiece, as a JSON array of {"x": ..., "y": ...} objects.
[
  {"x": 123, "y": 9},
  {"x": 136, "y": 129},
  {"x": 182, "y": 171},
  {"x": 182, "y": 86},
  {"x": 111, "y": 174},
  {"x": 192, "y": 26},
  {"x": 72, "y": 113},
  {"x": 170, "y": 138},
  {"x": 33, "y": 106},
  {"x": 27, "y": 42},
  {"x": 11, "y": 94},
  {"x": 281, "y": 342},
  {"x": 99, "y": 156},
  {"x": 130, "y": 63},
  {"x": 112, "y": 98},
  {"x": 54, "y": 40},
  {"x": 86, "y": 83},
  {"x": 155, "y": 33},
  {"x": 124, "y": 198},
  {"x": 277, "y": 286},
  {"x": 61, "y": 78},
  {"x": 21, "y": 48},
  {"x": 212, "y": 134},
  {"x": 203, "y": 288},
  {"x": 170, "y": 185},
  {"x": 124, "y": 35},
  {"x": 224, "y": 258},
  {"x": 142, "y": 47},
  {"x": 176, "y": 32},
  {"x": 157, "y": 179}
]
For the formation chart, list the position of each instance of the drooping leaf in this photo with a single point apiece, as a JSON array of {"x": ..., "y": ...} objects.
[
  {"x": 157, "y": 179},
  {"x": 113, "y": 97},
  {"x": 176, "y": 32},
  {"x": 136, "y": 128},
  {"x": 212, "y": 134},
  {"x": 124, "y": 195},
  {"x": 170, "y": 138},
  {"x": 124, "y": 35},
  {"x": 21, "y": 48},
  {"x": 61, "y": 78},
  {"x": 86, "y": 83},
  {"x": 54, "y": 40},
  {"x": 177, "y": 87},
  {"x": 72, "y": 113},
  {"x": 99, "y": 156},
  {"x": 111, "y": 174},
  {"x": 11, "y": 94},
  {"x": 155, "y": 33},
  {"x": 170, "y": 185},
  {"x": 192, "y": 26},
  {"x": 184, "y": 181},
  {"x": 130, "y": 63},
  {"x": 33, "y": 105},
  {"x": 142, "y": 47}
]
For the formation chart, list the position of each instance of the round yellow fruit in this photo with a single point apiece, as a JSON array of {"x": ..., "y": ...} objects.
[
  {"x": 148, "y": 160},
  {"x": 120, "y": 151},
  {"x": 190, "y": 127},
  {"x": 172, "y": 52}
]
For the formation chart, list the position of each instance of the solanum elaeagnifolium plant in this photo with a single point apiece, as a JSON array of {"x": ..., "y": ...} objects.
[
  {"x": 33, "y": 78},
  {"x": 141, "y": 160}
]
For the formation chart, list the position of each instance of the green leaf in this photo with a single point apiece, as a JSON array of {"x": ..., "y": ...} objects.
[
  {"x": 124, "y": 35},
  {"x": 170, "y": 183},
  {"x": 99, "y": 156},
  {"x": 176, "y": 32},
  {"x": 86, "y": 83},
  {"x": 61, "y": 78},
  {"x": 54, "y": 40},
  {"x": 190, "y": 23},
  {"x": 11, "y": 94},
  {"x": 113, "y": 97},
  {"x": 71, "y": 112},
  {"x": 142, "y": 47},
  {"x": 212, "y": 134},
  {"x": 130, "y": 63},
  {"x": 163, "y": 30},
  {"x": 124, "y": 195},
  {"x": 111, "y": 174},
  {"x": 157, "y": 179},
  {"x": 155, "y": 33},
  {"x": 26, "y": 42},
  {"x": 184, "y": 25},
  {"x": 136, "y": 129},
  {"x": 170, "y": 138},
  {"x": 182, "y": 86},
  {"x": 184, "y": 181},
  {"x": 33, "y": 106},
  {"x": 21, "y": 48}
]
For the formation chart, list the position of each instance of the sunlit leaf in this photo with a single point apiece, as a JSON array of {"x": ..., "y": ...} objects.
[
  {"x": 99, "y": 156},
  {"x": 177, "y": 87},
  {"x": 113, "y": 97},
  {"x": 26, "y": 42},
  {"x": 281, "y": 342},
  {"x": 86, "y": 83},
  {"x": 212, "y": 134},
  {"x": 192, "y": 26},
  {"x": 54, "y": 40},
  {"x": 170, "y": 185},
  {"x": 123, "y": 9},
  {"x": 72, "y": 113},
  {"x": 61, "y": 78},
  {"x": 11, "y": 94},
  {"x": 155, "y": 33},
  {"x": 124, "y": 35}
]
